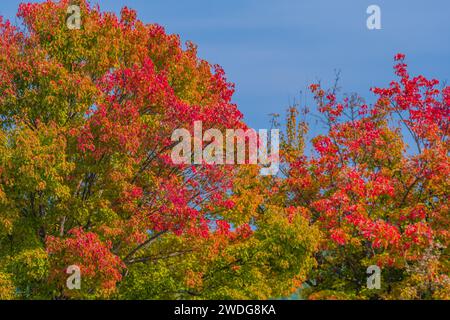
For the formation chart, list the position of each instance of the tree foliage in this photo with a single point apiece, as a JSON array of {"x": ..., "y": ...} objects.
[
  {"x": 86, "y": 177},
  {"x": 376, "y": 200}
]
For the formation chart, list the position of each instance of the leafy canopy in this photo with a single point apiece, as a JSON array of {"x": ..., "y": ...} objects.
[{"x": 86, "y": 177}]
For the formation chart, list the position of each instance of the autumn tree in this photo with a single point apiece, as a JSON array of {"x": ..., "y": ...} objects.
[
  {"x": 86, "y": 177},
  {"x": 376, "y": 184}
]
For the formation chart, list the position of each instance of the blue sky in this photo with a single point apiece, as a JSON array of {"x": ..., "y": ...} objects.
[{"x": 272, "y": 49}]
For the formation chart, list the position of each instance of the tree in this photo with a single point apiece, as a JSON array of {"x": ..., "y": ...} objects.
[
  {"x": 86, "y": 178},
  {"x": 376, "y": 200}
]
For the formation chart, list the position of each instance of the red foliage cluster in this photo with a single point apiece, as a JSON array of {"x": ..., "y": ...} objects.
[{"x": 93, "y": 256}]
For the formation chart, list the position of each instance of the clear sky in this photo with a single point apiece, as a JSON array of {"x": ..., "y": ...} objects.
[{"x": 272, "y": 49}]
